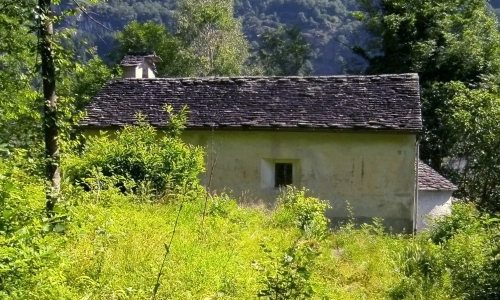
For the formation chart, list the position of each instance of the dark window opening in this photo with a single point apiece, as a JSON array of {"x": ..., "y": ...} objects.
[{"x": 283, "y": 174}]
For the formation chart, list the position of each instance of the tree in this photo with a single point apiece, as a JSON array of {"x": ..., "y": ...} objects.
[
  {"x": 19, "y": 109},
  {"x": 454, "y": 45},
  {"x": 137, "y": 37},
  {"x": 212, "y": 38},
  {"x": 452, "y": 40},
  {"x": 284, "y": 51},
  {"x": 50, "y": 126},
  {"x": 51, "y": 60},
  {"x": 476, "y": 142}
]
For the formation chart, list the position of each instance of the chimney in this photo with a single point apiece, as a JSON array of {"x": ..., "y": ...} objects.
[{"x": 139, "y": 65}]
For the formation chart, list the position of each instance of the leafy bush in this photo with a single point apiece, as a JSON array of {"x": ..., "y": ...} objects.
[
  {"x": 307, "y": 213},
  {"x": 290, "y": 279},
  {"x": 28, "y": 245},
  {"x": 458, "y": 258},
  {"x": 424, "y": 277},
  {"x": 139, "y": 159},
  {"x": 465, "y": 218},
  {"x": 470, "y": 242}
]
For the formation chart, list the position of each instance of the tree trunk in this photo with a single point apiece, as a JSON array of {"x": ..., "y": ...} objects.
[{"x": 51, "y": 131}]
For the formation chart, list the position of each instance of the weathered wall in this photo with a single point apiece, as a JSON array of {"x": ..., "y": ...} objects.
[
  {"x": 373, "y": 172},
  {"x": 432, "y": 204}
]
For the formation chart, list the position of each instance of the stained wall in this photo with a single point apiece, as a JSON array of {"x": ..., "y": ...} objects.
[{"x": 373, "y": 172}]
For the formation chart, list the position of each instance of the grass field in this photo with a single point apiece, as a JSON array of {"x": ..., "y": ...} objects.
[{"x": 115, "y": 252}]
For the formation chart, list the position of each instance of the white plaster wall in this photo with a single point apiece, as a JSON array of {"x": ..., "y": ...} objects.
[
  {"x": 432, "y": 204},
  {"x": 137, "y": 71}
]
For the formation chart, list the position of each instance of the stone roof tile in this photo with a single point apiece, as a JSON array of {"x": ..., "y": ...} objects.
[
  {"x": 132, "y": 60},
  {"x": 377, "y": 102},
  {"x": 430, "y": 180}
]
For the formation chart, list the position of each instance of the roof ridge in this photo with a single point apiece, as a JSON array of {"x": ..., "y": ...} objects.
[{"x": 400, "y": 75}]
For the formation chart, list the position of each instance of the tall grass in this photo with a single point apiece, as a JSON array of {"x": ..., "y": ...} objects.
[
  {"x": 114, "y": 251},
  {"x": 105, "y": 244}
]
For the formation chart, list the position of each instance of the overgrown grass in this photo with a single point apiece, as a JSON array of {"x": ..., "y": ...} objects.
[
  {"x": 106, "y": 244},
  {"x": 114, "y": 252}
]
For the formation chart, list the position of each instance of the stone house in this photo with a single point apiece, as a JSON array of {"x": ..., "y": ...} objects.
[{"x": 349, "y": 139}]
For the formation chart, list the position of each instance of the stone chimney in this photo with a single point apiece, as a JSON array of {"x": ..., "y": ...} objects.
[{"x": 139, "y": 65}]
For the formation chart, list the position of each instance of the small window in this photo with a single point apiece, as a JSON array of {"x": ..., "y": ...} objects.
[{"x": 283, "y": 174}]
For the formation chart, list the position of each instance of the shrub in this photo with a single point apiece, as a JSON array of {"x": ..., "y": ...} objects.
[
  {"x": 458, "y": 258},
  {"x": 28, "y": 246},
  {"x": 307, "y": 213},
  {"x": 290, "y": 278},
  {"x": 140, "y": 159},
  {"x": 424, "y": 276},
  {"x": 470, "y": 242},
  {"x": 464, "y": 218}
]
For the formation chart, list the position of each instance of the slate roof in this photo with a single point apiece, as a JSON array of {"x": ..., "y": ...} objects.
[
  {"x": 136, "y": 58},
  {"x": 430, "y": 180},
  {"x": 132, "y": 60},
  {"x": 378, "y": 102}
]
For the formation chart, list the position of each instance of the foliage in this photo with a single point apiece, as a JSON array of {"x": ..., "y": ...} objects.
[
  {"x": 138, "y": 158},
  {"x": 462, "y": 262},
  {"x": 290, "y": 280},
  {"x": 208, "y": 40},
  {"x": 19, "y": 110},
  {"x": 284, "y": 51},
  {"x": 28, "y": 243},
  {"x": 443, "y": 42},
  {"x": 307, "y": 213},
  {"x": 425, "y": 277},
  {"x": 212, "y": 37},
  {"x": 141, "y": 37},
  {"x": 476, "y": 134},
  {"x": 77, "y": 84},
  {"x": 328, "y": 26}
]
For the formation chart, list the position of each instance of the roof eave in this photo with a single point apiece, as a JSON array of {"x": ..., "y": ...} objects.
[{"x": 267, "y": 128}]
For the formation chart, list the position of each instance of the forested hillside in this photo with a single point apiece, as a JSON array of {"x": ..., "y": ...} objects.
[{"x": 327, "y": 25}]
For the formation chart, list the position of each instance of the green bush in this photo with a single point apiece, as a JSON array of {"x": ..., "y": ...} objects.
[
  {"x": 307, "y": 213},
  {"x": 459, "y": 257},
  {"x": 470, "y": 242},
  {"x": 290, "y": 278},
  {"x": 28, "y": 245},
  {"x": 465, "y": 218},
  {"x": 287, "y": 276},
  {"x": 139, "y": 159},
  {"x": 424, "y": 275}
]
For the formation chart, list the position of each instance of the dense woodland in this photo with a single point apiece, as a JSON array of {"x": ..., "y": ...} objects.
[
  {"x": 125, "y": 217},
  {"x": 328, "y": 26}
]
